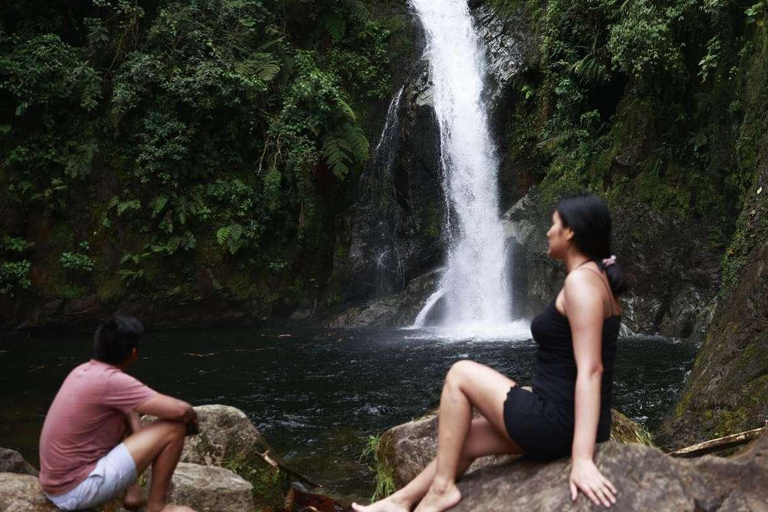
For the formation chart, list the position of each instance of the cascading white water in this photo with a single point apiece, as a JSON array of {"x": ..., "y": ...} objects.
[{"x": 475, "y": 282}]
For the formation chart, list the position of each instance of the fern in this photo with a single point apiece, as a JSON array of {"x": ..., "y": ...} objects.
[
  {"x": 357, "y": 10},
  {"x": 335, "y": 154},
  {"x": 357, "y": 142},
  {"x": 157, "y": 205},
  {"x": 262, "y": 65},
  {"x": 335, "y": 25},
  {"x": 348, "y": 112},
  {"x": 133, "y": 204}
]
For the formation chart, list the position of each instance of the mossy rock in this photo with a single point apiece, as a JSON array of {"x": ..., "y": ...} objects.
[{"x": 229, "y": 440}]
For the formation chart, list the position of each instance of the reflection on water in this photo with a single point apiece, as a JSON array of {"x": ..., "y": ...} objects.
[{"x": 316, "y": 394}]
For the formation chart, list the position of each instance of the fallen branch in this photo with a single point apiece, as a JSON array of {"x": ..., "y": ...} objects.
[
  {"x": 719, "y": 444},
  {"x": 276, "y": 464}
]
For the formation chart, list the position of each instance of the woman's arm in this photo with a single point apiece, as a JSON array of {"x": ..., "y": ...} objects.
[{"x": 584, "y": 309}]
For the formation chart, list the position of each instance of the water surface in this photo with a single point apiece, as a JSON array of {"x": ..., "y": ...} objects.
[{"x": 316, "y": 394}]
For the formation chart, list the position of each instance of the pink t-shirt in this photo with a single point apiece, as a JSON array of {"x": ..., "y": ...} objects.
[{"x": 85, "y": 421}]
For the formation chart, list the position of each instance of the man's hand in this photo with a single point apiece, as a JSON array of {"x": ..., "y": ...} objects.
[
  {"x": 585, "y": 477},
  {"x": 193, "y": 427}
]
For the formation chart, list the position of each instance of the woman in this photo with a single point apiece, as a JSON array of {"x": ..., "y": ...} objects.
[{"x": 570, "y": 407}]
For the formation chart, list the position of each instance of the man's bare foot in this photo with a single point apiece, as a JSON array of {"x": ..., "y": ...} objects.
[
  {"x": 172, "y": 508},
  {"x": 385, "y": 505},
  {"x": 134, "y": 498},
  {"x": 439, "y": 500}
]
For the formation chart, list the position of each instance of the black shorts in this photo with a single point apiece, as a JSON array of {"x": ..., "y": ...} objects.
[{"x": 544, "y": 430}]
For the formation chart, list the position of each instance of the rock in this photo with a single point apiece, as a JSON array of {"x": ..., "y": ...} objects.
[
  {"x": 508, "y": 44},
  {"x": 228, "y": 439},
  {"x": 377, "y": 313},
  {"x": 672, "y": 287},
  {"x": 395, "y": 310},
  {"x": 406, "y": 449},
  {"x": 22, "y": 493},
  {"x": 12, "y": 462},
  {"x": 210, "y": 489},
  {"x": 727, "y": 390},
  {"x": 645, "y": 478}
]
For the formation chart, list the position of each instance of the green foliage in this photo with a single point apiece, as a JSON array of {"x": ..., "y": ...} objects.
[
  {"x": 642, "y": 99},
  {"x": 385, "y": 483},
  {"x": 14, "y": 276},
  {"x": 77, "y": 261},
  {"x": 14, "y": 272},
  {"x": 224, "y": 130}
]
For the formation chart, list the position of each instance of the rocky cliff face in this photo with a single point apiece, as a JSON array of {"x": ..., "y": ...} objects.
[
  {"x": 672, "y": 284},
  {"x": 398, "y": 234},
  {"x": 727, "y": 390}
]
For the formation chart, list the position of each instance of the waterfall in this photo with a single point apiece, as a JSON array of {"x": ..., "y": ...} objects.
[
  {"x": 389, "y": 268},
  {"x": 475, "y": 282}
]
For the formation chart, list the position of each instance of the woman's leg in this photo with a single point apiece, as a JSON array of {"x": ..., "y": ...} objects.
[
  {"x": 467, "y": 384},
  {"x": 486, "y": 389}
]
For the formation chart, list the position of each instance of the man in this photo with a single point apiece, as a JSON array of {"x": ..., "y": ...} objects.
[{"x": 93, "y": 447}]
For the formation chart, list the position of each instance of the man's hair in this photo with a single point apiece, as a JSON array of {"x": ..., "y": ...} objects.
[{"x": 116, "y": 338}]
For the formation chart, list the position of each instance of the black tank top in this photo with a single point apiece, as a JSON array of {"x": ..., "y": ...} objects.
[{"x": 555, "y": 378}]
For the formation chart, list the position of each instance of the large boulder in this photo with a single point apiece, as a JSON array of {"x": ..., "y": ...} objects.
[
  {"x": 204, "y": 488},
  {"x": 22, "y": 493},
  {"x": 210, "y": 489},
  {"x": 406, "y": 449},
  {"x": 12, "y": 462},
  {"x": 228, "y": 439},
  {"x": 645, "y": 478}
]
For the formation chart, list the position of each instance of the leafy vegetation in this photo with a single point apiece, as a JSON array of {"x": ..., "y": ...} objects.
[
  {"x": 166, "y": 136},
  {"x": 642, "y": 99}
]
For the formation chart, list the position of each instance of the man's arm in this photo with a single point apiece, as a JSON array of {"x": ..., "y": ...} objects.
[
  {"x": 134, "y": 422},
  {"x": 168, "y": 408}
]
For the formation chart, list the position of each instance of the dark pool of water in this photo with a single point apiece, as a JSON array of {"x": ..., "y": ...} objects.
[{"x": 316, "y": 394}]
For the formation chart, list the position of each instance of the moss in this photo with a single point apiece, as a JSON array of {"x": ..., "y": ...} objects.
[
  {"x": 626, "y": 431},
  {"x": 270, "y": 484}
]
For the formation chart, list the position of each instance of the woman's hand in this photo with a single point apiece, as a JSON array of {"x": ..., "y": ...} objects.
[{"x": 586, "y": 477}]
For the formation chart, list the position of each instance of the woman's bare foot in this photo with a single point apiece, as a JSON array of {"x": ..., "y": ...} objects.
[
  {"x": 134, "y": 498},
  {"x": 439, "y": 499},
  {"x": 385, "y": 505}
]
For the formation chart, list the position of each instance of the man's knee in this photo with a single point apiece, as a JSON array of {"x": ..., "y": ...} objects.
[{"x": 172, "y": 430}]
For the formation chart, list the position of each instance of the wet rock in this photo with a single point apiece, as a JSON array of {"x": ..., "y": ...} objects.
[
  {"x": 395, "y": 310},
  {"x": 508, "y": 44},
  {"x": 12, "y": 462},
  {"x": 377, "y": 313},
  {"x": 406, "y": 449}
]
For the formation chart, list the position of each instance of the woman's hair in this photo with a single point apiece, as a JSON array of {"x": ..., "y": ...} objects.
[
  {"x": 588, "y": 216},
  {"x": 116, "y": 338}
]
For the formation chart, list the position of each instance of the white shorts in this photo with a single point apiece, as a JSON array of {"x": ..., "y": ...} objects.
[{"x": 113, "y": 474}]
